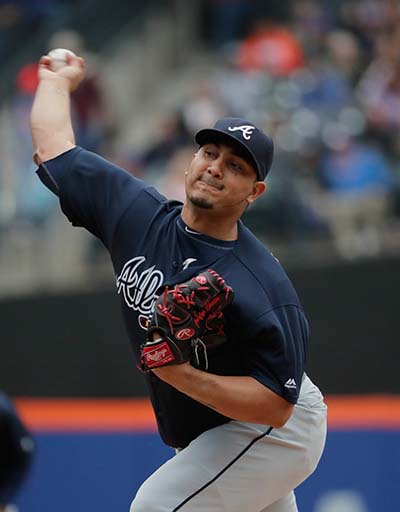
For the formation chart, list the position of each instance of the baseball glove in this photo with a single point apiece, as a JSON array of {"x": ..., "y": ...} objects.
[{"x": 182, "y": 316}]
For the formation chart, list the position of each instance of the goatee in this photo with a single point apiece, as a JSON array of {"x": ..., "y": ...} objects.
[{"x": 201, "y": 202}]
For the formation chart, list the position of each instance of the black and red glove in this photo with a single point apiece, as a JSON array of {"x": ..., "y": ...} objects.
[{"x": 182, "y": 316}]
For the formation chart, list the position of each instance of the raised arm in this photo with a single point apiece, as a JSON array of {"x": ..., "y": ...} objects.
[{"x": 50, "y": 121}]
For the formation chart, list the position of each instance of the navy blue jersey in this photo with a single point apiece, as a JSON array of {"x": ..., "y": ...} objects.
[{"x": 150, "y": 247}]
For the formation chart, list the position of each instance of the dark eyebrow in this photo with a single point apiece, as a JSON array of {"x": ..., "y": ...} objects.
[{"x": 235, "y": 151}]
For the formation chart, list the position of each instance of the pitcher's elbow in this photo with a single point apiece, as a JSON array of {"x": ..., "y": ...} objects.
[{"x": 282, "y": 416}]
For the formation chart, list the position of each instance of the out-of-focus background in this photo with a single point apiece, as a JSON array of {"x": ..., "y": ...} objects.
[{"x": 322, "y": 77}]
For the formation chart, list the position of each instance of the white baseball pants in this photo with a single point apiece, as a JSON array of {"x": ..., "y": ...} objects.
[{"x": 241, "y": 467}]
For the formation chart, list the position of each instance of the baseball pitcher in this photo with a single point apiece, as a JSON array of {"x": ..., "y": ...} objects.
[{"x": 215, "y": 324}]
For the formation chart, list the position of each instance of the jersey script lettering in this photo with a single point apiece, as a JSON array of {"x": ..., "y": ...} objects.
[{"x": 139, "y": 286}]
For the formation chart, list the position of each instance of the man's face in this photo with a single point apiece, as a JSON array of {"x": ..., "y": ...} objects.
[{"x": 219, "y": 179}]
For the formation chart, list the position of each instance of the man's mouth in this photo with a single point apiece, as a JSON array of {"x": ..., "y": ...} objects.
[{"x": 211, "y": 183}]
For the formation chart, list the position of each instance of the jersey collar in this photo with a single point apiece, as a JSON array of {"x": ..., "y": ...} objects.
[{"x": 223, "y": 244}]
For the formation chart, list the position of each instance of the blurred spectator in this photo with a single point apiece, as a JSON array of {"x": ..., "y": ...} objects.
[
  {"x": 11, "y": 17},
  {"x": 16, "y": 449},
  {"x": 287, "y": 211},
  {"x": 92, "y": 117},
  {"x": 274, "y": 10},
  {"x": 313, "y": 73},
  {"x": 21, "y": 17},
  {"x": 229, "y": 18},
  {"x": 327, "y": 83},
  {"x": 379, "y": 87},
  {"x": 47, "y": 14},
  {"x": 172, "y": 183},
  {"x": 395, "y": 160},
  {"x": 202, "y": 108},
  {"x": 238, "y": 92},
  {"x": 344, "y": 54},
  {"x": 312, "y": 19},
  {"x": 359, "y": 184},
  {"x": 170, "y": 134},
  {"x": 32, "y": 205},
  {"x": 368, "y": 18},
  {"x": 270, "y": 48}
]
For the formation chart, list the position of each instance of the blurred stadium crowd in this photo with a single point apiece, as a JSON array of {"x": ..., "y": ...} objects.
[{"x": 322, "y": 77}]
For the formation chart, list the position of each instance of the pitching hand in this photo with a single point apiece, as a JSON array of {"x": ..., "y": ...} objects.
[{"x": 73, "y": 71}]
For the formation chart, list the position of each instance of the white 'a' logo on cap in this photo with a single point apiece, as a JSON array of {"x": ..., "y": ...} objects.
[{"x": 246, "y": 130}]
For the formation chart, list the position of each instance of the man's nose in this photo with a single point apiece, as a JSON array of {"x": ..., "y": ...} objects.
[{"x": 215, "y": 169}]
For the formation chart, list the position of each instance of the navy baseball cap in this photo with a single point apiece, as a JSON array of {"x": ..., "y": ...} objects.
[{"x": 254, "y": 143}]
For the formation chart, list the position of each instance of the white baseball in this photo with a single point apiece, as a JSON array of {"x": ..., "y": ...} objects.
[{"x": 59, "y": 58}]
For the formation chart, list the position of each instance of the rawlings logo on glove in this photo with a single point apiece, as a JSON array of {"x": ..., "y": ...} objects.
[
  {"x": 159, "y": 355},
  {"x": 184, "y": 317}
]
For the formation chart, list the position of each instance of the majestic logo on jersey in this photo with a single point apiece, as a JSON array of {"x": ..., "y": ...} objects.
[
  {"x": 246, "y": 129},
  {"x": 291, "y": 384},
  {"x": 139, "y": 286}
]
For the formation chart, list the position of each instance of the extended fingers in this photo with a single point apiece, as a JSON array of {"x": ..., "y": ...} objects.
[
  {"x": 45, "y": 62},
  {"x": 74, "y": 60}
]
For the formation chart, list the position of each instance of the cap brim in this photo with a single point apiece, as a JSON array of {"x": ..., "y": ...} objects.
[{"x": 208, "y": 135}]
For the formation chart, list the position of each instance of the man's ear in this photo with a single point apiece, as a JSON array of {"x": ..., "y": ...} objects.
[
  {"x": 259, "y": 188},
  {"x": 37, "y": 161}
]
